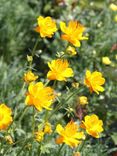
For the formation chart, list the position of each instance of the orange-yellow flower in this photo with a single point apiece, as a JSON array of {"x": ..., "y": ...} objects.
[
  {"x": 69, "y": 134},
  {"x": 39, "y": 136},
  {"x": 5, "y": 116},
  {"x": 30, "y": 76},
  {"x": 73, "y": 32},
  {"x": 94, "y": 81},
  {"x": 93, "y": 125},
  {"x": 40, "y": 96},
  {"x": 59, "y": 70},
  {"x": 46, "y": 26}
]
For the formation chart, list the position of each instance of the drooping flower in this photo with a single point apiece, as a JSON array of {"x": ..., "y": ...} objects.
[
  {"x": 47, "y": 128},
  {"x": 106, "y": 60},
  {"x": 113, "y": 7},
  {"x": 71, "y": 50},
  {"x": 46, "y": 26},
  {"x": 69, "y": 134},
  {"x": 5, "y": 116},
  {"x": 94, "y": 81},
  {"x": 73, "y": 32},
  {"x": 30, "y": 76},
  {"x": 83, "y": 100},
  {"x": 39, "y": 136},
  {"x": 92, "y": 125},
  {"x": 40, "y": 96},
  {"x": 59, "y": 70}
]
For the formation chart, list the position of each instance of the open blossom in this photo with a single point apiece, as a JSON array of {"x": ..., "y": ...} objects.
[
  {"x": 5, "y": 116},
  {"x": 106, "y": 60},
  {"x": 94, "y": 81},
  {"x": 92, "y": 125},
  {"x": 73, "y": 33},
  {"x": 30, "y": 76},
  {"x": 59, "y": 70},
  {"x": 46, "y": 26},
  {"x": 83, "y": 100},
  {"x": 39, "y": 96},
  {"x": 70, "y": 134}
]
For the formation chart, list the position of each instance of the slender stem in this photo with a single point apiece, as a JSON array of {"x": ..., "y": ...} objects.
[
  {"x": 23, "y": 113},
  {"x": 35, "y": 46},
  {"x": 33, "y": 121},
  {"x": 58, "y": 154}
]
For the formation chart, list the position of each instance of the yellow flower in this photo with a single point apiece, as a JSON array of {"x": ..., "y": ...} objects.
[
  {"x": 5, "y": 116},
  {"x": 83, "y": 100},
  {"x": 40, "y": 96},
  {"x": 113, "y": 7},
  {"x": 73, "y": 33},
  {"x": 75, "y": 84},
  {"x": 71, "y": 51},
  {"x": 93, "y": 125},
  {"x": 47, "y": 128},
  {"x": 9, "y": 139},
  {"x": 69, "y": 134},
  {"x": 94, "y": 81},
  {"x": 59, "y": 70},
  {"x": 39, "y": 136},
  {"x": 46, "y": 26},
  {"x": 115, "y": 18},
  {"x": 106, "y": 60},
  {"x": 30, "y": 76}
]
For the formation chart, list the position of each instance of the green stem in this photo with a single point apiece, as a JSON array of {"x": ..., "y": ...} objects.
[
  {"x": 58, "y": 154},
  {"x": 33, "y": 122},
  {"x": 23, "y": 113},
  {"x": 35, "y": 46}
]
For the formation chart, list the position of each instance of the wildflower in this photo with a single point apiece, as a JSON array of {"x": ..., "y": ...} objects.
[
  {"x": 94, "y": 81},
  {"x": 47, "y": 128},
  {"x": 106, "y": 60},
  {"x": 5, "y": 116},
  {"x": 113, "y": 7},
  {"x": 9, "y": 139},
  {"x": 39, "y": 96},
  {"x": 46, "y": 26},
  {"x": 59, "y": 70},
  {"x": 83, "y": 100},
  {"x": 69, "y": 134},
  {"x": 30, "y": 76},
  {"x": 71, "y": 51},
  {"x": 39, "y": 136},
  {"x": 115, "y": 18},
  {"x": 73, "y": 33},
  {"x": 93, "y": 125}
]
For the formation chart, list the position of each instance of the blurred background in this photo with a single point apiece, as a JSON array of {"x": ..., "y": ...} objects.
[{"x": 17, "y": 37}]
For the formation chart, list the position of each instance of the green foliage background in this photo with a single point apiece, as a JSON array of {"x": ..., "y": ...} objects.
[{"x": 17, "y": 38}]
